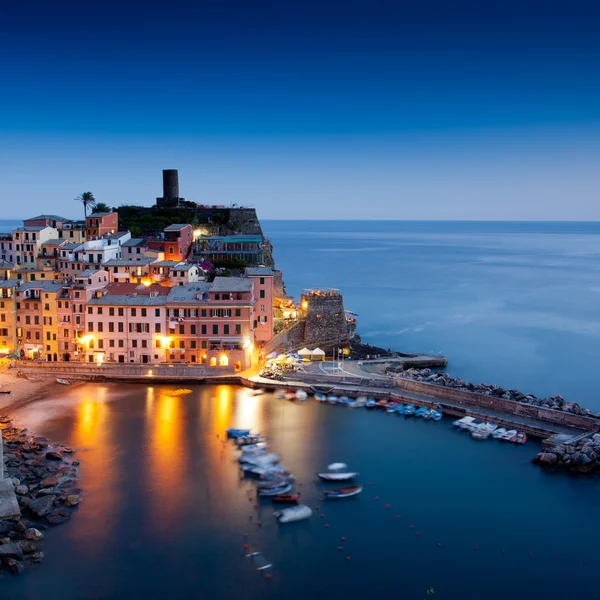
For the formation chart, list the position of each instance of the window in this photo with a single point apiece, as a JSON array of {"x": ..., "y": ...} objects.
[
  {"x": 172, "y": 344},
  {"x": 203, "y": 343},
  {"x": 90, "y": 310},
  {"x": 90, "y": 326},
  {"x": 121, "y": 344},
  {"x": 262, "y": 308},
  {"x": 99, "y": 310},
  {"x": 203, "y": 312},
  {"x": 193, "y": 344},
  {"x": 100, "y": 327},
  {"x": 143, "y": 312},
  {"x": 181, "y": 344},
  {"x": 192, "y": 330},
  {"x": 139, "y": 327},
  {"x": 157, "y": 312},
  {"x": 220, "y": 312},
  {"x": 134, "y": 343},
  {"x": 133, "y": 312},
  {"x": 100, "y": 344},
  {"x": 47, "y": 336},
  {"x": 215, "y": 329},
  {"x": 217, "y": 296},
  {"x": 120, "y": 327},
  {"x": 144, "y": 343},
  {"x": 157, "y": 344},
  {"x": 182, "y": 330},
  {"x": 111, "y": 327},
  {"x": 238, "y": 329},
  {"x": 238, "y": 312},
  {"x": 121, "y": 312},
  {"x": 262, "y": 293},
  {"x": 156, "y": 327},
  {"x": 203, "y": 329},
  {"x": 111, "y": 343},
  {"x": 111, "y": 312},
  {"x": 225, "y": 329}
]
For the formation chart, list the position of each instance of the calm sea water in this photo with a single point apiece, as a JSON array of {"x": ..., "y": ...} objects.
[
  {"x": 165, "y": 512},
  {"x": 517, "y": 304},
  {"x": 164, "y": 509}
]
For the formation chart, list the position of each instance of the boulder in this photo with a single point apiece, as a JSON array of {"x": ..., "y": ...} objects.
[
  {"x": 54, "y": 456},
  {"x": 34, "y": 534},
  {"x": 72, "y": 500},
  {"x": 20, "y": 527},
  {"x": 547, "y": 458},
  {"x": 41, "y": 506},
  {"x": 38, "y": 557},
  {"x": 21, "y": 490},
  {"x": 57, "y": 519},
  {"x": 11, "y": 551},
  {"x": 16, "y": 568},
  {"x": 580, "y": 459},
  {"x": 49, "y": 481},
  {"x": 27, "y": 546}
]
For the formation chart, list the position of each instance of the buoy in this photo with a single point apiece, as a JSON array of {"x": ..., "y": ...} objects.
[
  {"x": 246, "y": 546},
  {"x": 348, "y": 558},
  {"x": 327, "y": 525},
  {"x": 475, "y": 547},
  {"x": 321, "y": 515},
  {"x": 411, "y": 526},
  {"x": 417, "y": 533},
  {"x": 376, "y": 497},
  {"x": 340, "y": 547},
  {"x": 317, "y": 507},
  {"x": 396, "y": 516},
  {"x": 268, "y": 576},
  {"x": 343, "y": 538},
  {"x": 245, "y": 535},
  {"x": 439, "y": 544},
  {"x": 387, "y": 506}
]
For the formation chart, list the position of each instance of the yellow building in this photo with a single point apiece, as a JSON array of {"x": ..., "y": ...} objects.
[{"x": 8, "y": 317}]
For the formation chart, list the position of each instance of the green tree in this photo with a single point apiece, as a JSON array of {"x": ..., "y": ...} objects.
[
  {"x": 87, "y": 199},
  {"x": 101, "y": 207}
]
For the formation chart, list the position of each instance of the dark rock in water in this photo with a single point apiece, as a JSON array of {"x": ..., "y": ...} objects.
[
  {"x": 20, "y": 526},
  {"x": 41, "y": 506},
  {"x": 579, "y": 459},
  {"x": 34, "y": 534},
  {"x": 54, "y": 456},
  {"x": 72, "y": 500},
  {"x": 57, "y": 519},
  {"x": 27, "y": 546},
  {"x": 5, "y": 527},
  {"x": 38, "y": 557},
  {"x": 11, "y": 551},
  {"x": 547, "y": 458}
]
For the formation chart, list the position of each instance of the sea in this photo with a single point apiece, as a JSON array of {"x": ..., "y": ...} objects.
[{"x": 165, "y": 512}]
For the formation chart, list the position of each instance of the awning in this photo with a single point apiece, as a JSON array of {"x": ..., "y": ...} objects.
[
  {"x": 305, "y": 352},
  {"x": 317, "y": 352}
]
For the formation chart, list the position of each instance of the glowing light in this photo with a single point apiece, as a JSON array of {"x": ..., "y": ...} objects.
[
  {"x": 304, "y": 304},
  {"x": 86, "y": 339},
  {"x": 99, "y": 358},
  {"x": 246, "y": 342},
  {"x": 223, "y": 360},
  {"x": 164, "y": 342}
]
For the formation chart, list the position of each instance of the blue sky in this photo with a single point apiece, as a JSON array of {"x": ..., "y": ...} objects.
[{"x": 461, "y": 110}]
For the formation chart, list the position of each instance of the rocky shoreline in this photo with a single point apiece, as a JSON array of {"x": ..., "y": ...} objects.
[
  {"x": 580, "y": 457},
  {"x": 45, "y": 480},
  {"x": 443, "y": 379}
]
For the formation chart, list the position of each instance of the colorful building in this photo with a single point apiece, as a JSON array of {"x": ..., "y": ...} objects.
[
  {"x": 100, "y": 224},
  {"x": 8, "y": 317}
]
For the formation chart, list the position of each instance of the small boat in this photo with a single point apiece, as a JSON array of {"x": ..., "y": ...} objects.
[
  {"x": 436, "y": 415},
  {"x": 392, "y": 408},
  {"x": 370, "y": 403},
  {"x": 259, "y": 458},
  {"x": 320, "y": 397},
  {"x": 401, "y": 409},
  {"x": 344, "y": 400},
  {"x": 275, "y": 491},
  {"x": 259, "y": 560},
  {"x": 280, "y": 395},
  {"x": 520, "y": 439},
  {"x": 290, "y": 395},
  {"x": 286, "y": 498},
  {"x": 237, "y": 433},
  {"x": 491, "y": 427},
  {"x": 332, "y": 399},
  {"x": 258, "y": 392},
  {"x": 498, "y": 433},
  {"x": 301, "y": 395},
  {"x": 509, "y": 435},
  {"x": 274, "y": 480},
  {"x": 63, "y": 381},
  {"x": 409, "y": 410},
  {"x": 464, "y": 423},
  {"x": 294, "y": 513},
  {"x": 481, "y": 433},
  {"x": 343, "y": 492},
  {"x": 420, "y": 411},
  {"x": 249, "y": 440},
  {"x": 337, "y": 476}
]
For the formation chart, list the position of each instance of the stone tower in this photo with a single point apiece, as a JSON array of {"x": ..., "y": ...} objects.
[
  {"x": 170, "y": 197},
  {"x": 325, "y": 317}
]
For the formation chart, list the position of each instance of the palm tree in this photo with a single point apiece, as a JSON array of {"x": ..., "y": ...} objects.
[
  {"x": 101, "y": 207},
  {"x": 87, "y": 199}
]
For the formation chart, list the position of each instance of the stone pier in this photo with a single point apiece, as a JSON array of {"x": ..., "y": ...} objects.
[{"x": 9, "y": 507}]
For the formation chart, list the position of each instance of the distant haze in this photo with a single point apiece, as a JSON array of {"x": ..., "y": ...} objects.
[{"x": 354, "y": 110}]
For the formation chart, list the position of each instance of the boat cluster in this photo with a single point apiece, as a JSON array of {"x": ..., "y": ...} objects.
[
  {"x": 443, "y": 379},
  {"x": 390, "y": 406},
  {"x": 482, "y": 430}
]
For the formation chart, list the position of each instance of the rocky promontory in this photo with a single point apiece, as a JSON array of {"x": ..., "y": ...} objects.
[
  {"x": 582, "y": 456},
  {"x": 45, "y": 480}
]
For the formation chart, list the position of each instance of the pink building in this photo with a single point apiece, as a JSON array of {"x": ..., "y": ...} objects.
[
  {"x": 177, "y": 242},
  {"x": 262, "y": 287}
]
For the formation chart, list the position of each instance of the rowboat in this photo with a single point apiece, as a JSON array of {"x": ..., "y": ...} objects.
[
  {"x": 284, "y": 489},
  {"x": 409, "y": 410},
  {"x": 286, "y": 498},
  {"x": 294, "y": 513},
  {"x": 343, "y": 492},
  {"x": 337, "y": 476},
  {"x": 301, "y": 395},
  {"x": 498, "y": 433},
  {"x": 259, "y": 560},
  {"x": 436, "y": 415},
  {"x": 520, "y": 439},
  {"x": 249, "y": 440},
  {"x": 237, "y": 433},
  {"x": 63, "y": 381},
  {"x": 509, "y": 436}
]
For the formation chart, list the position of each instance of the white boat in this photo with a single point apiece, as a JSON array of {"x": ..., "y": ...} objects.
[
  {"x": 480, "y": 433},
  {"x": 464, "y": 423},
  {"x": 63, "y": 381},
  {"x": 498, "y": 433},
  {"x": 271, "y": 458},
  {"x": 320, "y": 397},
  {"x": 280, "y": 394},
  {"x": 337, "y": 476},
  {"x": 259, "y": 560},
  {"x": 343, "y": 492},
  {"x": 256, "y": 392},
  {"x": 509, "y": 435},
  {"x": 332, "y": 399},
  {"x": 491, "y": 427},
  {"x": 283, "y": 489},
  {"x": 301, "y": 395},
  {"x": 294, "y": 513}
]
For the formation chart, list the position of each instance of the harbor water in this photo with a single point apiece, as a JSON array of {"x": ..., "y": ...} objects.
[{"x": 164, "y": 509}]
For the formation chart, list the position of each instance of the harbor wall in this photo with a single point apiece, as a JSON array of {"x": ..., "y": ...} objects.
[{"x": 498, "y": 404}]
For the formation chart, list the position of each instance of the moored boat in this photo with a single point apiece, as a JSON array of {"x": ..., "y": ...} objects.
[
  {"x": 286, "y": 498},
  {"x": 237, "y": 433},
  {"x": 498, "y": 433},
  {"x": 274, "y": 491},
  {"x": 337, "y": 476},
  {"x": 480, "y": 433},
  {"x": 343, "y": 492},
  {"x": 436, "y": 415},
  {"x": 370, "y": 403},
  {"x": 401, "y": 409},
  {"x": 409, "y": 410},
  {"x": 421, "y": 412},
  {"x": 290, "y": 396},
  {"x": 63, "y": 381},
  {"x": 332, "y": 399},
  {"x": 257, "y": 392},
  {"x": 294, "y": 513},
  {"x": 320, "y": 397},
  {"x": 280, "y": 395},
  {"x": 520, "y": 439},
  {"x": 249, "y": 440},
  {"x": 509, "y": 435},
  {"x": 301, "y": 395}
]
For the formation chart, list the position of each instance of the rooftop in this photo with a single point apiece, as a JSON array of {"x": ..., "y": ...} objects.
[
  {"x": 99, "y": 215},
  {"x": 87, "y": 273},
  {"x": 165, "y": 263},
  {"x": 46, "y": 286},
  {"x": 71, "y": 246},
  {"x": 133, "y": 242},
  {"x": 54, "y": 242},
  {"x": 188, "y": 293},
  {"x": 9, "y": 283},
  {"x": 177, "y": 227},
  {"x": 262, "y": 271},
  {"x": 116, "y": 235},
  {"x": 128, "y": 262},
  {"x": 231, "y": 284},
  {"x": 129, "y": 300},
  {"x": 32, "y": 228},
  {"x": 51, "y": 217}
]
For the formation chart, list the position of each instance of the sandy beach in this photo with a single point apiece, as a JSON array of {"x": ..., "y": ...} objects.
[{"x": 23, "y": 391}]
